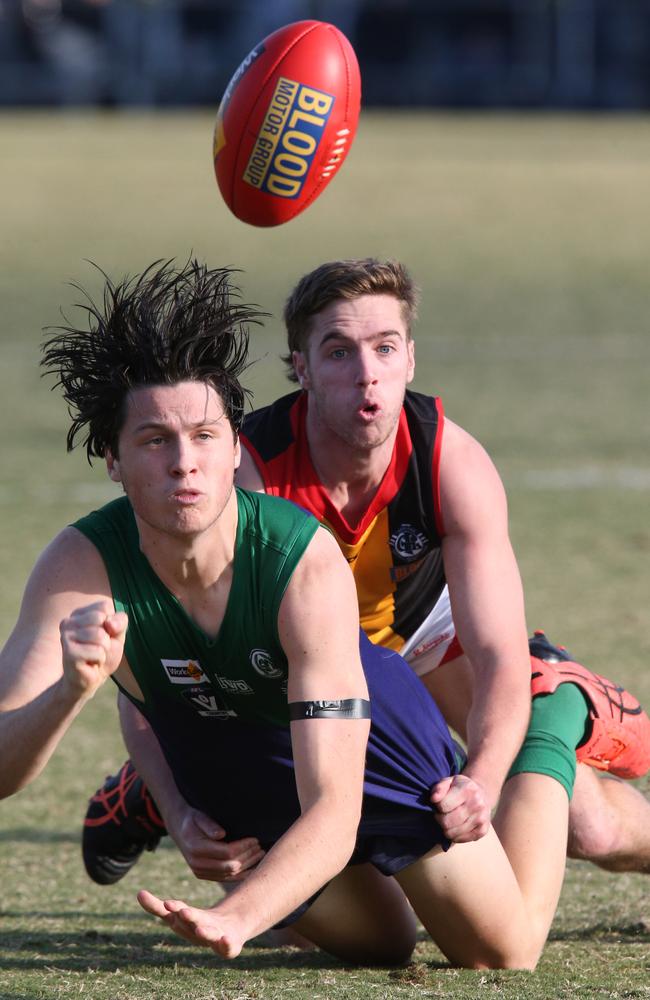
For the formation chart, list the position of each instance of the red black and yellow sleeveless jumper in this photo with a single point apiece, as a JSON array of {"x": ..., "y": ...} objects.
[{"x": 395, "y": 550}]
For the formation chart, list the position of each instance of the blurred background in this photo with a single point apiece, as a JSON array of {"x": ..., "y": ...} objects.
[
  {"x": 445, "y": 53},
  {"x": 503, "y": 153}
]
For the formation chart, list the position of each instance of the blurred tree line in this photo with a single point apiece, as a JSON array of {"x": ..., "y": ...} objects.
[{"x": 441, "y": 53}]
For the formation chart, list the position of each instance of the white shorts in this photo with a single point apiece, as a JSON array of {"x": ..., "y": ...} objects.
[{"x": 426, "y": 648}]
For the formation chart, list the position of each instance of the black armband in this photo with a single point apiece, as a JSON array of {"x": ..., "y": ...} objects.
[{"x": 346, "y": 708}]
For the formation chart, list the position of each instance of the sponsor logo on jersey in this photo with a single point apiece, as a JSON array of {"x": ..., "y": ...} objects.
[
  {"x": 234, "y": 685},
  {"x": 287, "y": 142},
  {"x": 206, "y": 702},
  {"x": 399, "y": 573},
  {"x": 184, "y": 671},
  {"x": 429, "y": 644},
  {"x": 263, "y": 664},
  {"x": 408, "y": 542}
]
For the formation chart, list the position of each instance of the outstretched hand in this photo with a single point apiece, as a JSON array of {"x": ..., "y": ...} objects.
[
  {"x": 462, "y": 809},
  {"x": 204, "y": 927}
]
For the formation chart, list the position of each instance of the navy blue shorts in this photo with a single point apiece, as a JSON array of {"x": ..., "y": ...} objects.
[{"x": 242, "y": 773}]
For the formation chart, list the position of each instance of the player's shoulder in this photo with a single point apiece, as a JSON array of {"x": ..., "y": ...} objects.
[
  {"x": 72, "y": 557},
  {"x": 252, "y": 503},
  {"x": 69, "y": 557},
  {"x": 116, "y": 515},
  {"x": 471, "y": 489},
  {"x": 272, "y": 518},
  {"x": 458, "y": 445},
  {"x": 69, "y": 573},
  {"x": 323, "y": 572}
]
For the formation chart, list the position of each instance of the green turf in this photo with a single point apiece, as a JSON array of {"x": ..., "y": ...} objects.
[{"x": 530, "y": 239}]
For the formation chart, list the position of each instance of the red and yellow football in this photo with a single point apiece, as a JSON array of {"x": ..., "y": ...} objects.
[{"x": 286, "y": 122}]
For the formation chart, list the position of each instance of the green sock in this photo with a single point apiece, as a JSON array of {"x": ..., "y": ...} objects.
[{"x": 557, "y": 726}]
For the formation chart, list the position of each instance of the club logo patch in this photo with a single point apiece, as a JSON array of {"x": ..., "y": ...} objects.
[
  {"x": 408, "y": 543},
  {"x": 263, "y": 664},
  {"x": 184, "y": 671}
]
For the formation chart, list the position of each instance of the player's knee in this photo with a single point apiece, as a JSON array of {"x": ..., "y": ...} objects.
[
  {"x": 388, "y": 942},
  {"x": 593, "y": 841},
  {"x": 399, "y": 950},
  {"x": 392, "y": 958},
  {"x": 393, "y": 951},
  {"x": 510, "y": 946},
  {"x": 518, "y": 956}
]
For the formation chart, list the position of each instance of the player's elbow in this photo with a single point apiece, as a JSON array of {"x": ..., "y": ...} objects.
[
  {"x": 343, "y": 824},
  {"x": 346, "y": 835}
]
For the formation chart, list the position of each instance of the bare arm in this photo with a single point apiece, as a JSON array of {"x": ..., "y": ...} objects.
[
  {"x": 329, "y": 757},
  {"x": 488, "y": 607},
  {"x": 66, "y": 643}
]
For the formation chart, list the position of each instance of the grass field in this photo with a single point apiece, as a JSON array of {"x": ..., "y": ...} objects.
[{"x": 530, "y": 239}]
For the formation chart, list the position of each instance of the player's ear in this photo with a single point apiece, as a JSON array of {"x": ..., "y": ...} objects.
[
  {"x": 410, "y": 370},
  {"x": 113, "y": 467},
  {"x": 237, "y": 453},
  {"x": 300, "y": 367}
]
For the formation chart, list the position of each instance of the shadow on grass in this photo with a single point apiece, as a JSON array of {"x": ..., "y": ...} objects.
[
  {"x": 107, "y": 952},
  {"x": 37, "y": 835},
  {"x": 106, "y": 918},
  {"x": 606, "y": 933},
  {"x": 602, "y": 933},
  {"x": 34, "y": 835}
]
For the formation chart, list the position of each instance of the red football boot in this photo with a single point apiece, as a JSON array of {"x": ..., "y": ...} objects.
[
  {"x": 619, "y": 736},
  {"x": 121, "y": 822}
]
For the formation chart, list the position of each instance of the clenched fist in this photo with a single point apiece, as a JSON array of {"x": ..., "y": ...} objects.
[
  {"x": 92, "y": 641},
  {"x": 462, "y": 808}
]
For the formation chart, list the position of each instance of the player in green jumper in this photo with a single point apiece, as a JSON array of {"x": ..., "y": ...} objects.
[{"x": 152, "y": 384}]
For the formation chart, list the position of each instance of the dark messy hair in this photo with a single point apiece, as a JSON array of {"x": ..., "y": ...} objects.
[
  {"x": 344, "y": 279},
  {"x": 165, "y": 326}
]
